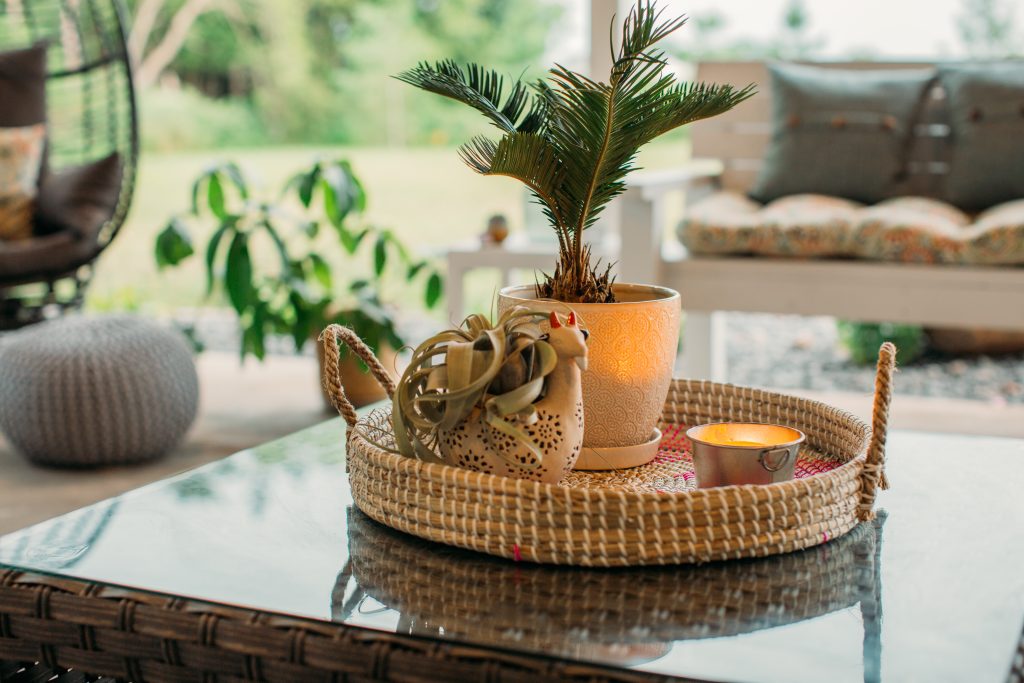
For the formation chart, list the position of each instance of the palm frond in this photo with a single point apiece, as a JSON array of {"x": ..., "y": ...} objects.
[
  {"x": 480, "y": 88},
  {"x": 527, "y": 157},
  {"x": 688, "y": 102}
]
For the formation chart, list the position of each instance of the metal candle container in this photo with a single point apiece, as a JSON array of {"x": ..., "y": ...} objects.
[{"x": 732, "y": 453}]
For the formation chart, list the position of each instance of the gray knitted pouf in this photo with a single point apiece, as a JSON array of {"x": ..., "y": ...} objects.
[{"x": 89, "y": 391}]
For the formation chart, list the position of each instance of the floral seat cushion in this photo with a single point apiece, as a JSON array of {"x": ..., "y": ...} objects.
[
  {"x": 806, "y": 225},
  {"x": 903, "y": 229}
]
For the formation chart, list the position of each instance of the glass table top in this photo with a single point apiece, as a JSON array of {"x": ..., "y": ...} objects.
[{"x": 932, "y": 590}]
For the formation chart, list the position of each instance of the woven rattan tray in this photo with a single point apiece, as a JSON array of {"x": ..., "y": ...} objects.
[{"x": 644, "y": 516}]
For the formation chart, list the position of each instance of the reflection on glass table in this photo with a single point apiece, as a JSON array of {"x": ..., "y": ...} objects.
[{"x": 624, "y": 617}]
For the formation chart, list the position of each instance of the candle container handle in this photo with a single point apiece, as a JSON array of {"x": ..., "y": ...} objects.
[{"x": 766, "y": 463}]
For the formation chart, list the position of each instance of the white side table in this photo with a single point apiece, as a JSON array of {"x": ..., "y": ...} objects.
[{"x": 517, "y": 253}]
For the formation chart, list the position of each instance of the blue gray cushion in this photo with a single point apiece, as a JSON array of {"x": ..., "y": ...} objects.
[
  {"x": 986, "y": 116},
  {"x": 844, "y": 133}
]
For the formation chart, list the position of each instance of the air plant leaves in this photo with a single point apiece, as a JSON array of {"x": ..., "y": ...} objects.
[
  {"x": 572, "y": 140},
  {"x": 454, "y": 376}
]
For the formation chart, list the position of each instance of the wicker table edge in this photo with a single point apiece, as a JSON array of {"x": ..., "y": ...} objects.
[{"x": 58, "y": 624}]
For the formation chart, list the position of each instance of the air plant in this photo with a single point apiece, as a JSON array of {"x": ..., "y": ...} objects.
[
  {"x": 572, "y": 140},
  {"x": 499, "y": 370}
]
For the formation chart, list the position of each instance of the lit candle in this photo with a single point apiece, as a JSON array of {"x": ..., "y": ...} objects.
[{"x": 728, "y": 453}]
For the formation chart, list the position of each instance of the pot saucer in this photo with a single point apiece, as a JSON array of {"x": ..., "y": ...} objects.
[{"x": 619, "y": 457}]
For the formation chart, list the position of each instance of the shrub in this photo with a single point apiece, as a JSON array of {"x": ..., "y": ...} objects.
[
  {"x": 180, "y": 119},
  {"x": 863, "y": 339}
]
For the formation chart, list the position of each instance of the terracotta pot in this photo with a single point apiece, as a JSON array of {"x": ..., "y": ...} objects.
[
  {"x": 360, "y": 386},
  {"x": 632, "y": 350}
]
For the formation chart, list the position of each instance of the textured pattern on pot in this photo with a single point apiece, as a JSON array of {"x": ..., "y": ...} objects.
[{"x": 632, "y": 349}]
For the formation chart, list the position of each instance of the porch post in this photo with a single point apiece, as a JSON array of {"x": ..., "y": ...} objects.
[{"x": 599, "y": 65}]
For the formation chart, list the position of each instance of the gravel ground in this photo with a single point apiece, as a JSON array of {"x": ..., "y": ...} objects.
[
  {"x": 805, "y": 353},
  {"x": 786, "y": 352}
]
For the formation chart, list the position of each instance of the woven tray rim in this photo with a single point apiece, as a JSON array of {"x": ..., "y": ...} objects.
[{"x": 467, "y": 480}]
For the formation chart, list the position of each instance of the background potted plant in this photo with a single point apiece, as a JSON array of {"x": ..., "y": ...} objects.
[
  {"x": 267, "y": 259},
  {"x": 572, "y": 140}
]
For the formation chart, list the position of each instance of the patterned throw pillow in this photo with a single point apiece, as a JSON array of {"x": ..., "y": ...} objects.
[{"x": 21, "y": 155}]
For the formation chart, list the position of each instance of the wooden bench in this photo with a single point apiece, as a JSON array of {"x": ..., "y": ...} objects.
[{"x": 984, "y": 297}]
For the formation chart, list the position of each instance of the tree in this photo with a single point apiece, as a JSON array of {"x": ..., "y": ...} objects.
[
  {"x": 319, "y": 70},
  {"x": 224, "y": 37},
  {"x": 793, "y": 41},
  {"x": 386, "y": 38},
  {"x": 159, "y": 29},
  {"x": 988, "y": 29}
]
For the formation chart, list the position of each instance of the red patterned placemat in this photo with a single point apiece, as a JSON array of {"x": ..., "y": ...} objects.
[{"x": 672, "y": 470}]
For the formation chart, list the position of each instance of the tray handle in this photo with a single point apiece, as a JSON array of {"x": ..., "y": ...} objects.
[
  {"x": 873, "y": 473},
  {"x": 331, "y": 338}
]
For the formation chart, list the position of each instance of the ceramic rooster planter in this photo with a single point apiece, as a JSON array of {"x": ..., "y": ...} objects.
[{"x": 503, "y": 399}]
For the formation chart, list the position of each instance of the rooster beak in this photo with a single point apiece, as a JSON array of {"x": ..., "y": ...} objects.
[{"x": 582, "y": 362}]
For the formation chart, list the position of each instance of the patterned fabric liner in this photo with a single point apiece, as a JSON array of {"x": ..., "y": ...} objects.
[
  {"x": 672, "y": 470},
  {"x": 21, "y": 154},
  {"x": 903, "y": 229}
]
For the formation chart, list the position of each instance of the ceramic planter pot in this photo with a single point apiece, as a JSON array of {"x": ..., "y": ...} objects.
[{"x": 632, "y": 350}]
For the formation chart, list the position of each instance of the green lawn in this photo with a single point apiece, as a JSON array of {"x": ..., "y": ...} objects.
[{"x": 426, "y": 195}]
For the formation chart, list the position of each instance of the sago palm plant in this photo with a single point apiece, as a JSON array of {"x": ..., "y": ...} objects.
[{"x": 572, "y": 140}]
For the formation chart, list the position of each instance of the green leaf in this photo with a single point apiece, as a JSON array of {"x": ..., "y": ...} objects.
[
  {"x": 355, "y": 186},
  {"x": 372, "y": 309},
  {"x": 211, "y": 253},
  {"x": 173, "y": 244},
  {"x": 337, "y": 199},
  {"x": 238, "y": 274},
  {"x": 196, "y": 188},
  {"x": 393, "y": 338},
  {"x": 254, "y": 334},
  {"x": 234, "y": 174},
  {"x": 415, "y": 269},
  {"x": 399, "y": 246},
  {"x": 321, "y": 271},
  {"x": 282, "y": 249},
  {"x": 335, "y": 214},
  {"x": 302, "y": 329},
  {"x": 380, "y": 255},
  {"x": 434, "y": 289},
  {"x": 311, "y": 229},
  {"x": 215, "y": 197},
  {"x": 351, "y": 240},
  {"x": 358, "y": 285},
  {"x": 306, "y": 185}
]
